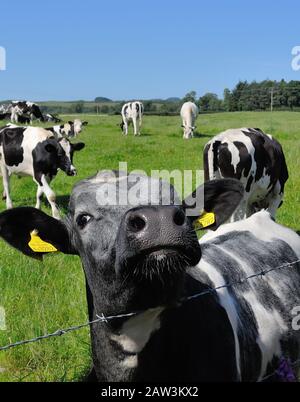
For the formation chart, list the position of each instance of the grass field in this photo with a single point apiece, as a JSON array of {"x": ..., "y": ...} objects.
[{"x": 42, "y": 297}]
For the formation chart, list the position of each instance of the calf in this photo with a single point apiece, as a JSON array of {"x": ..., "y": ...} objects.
[
  {"x": 34, "y": 152},
  {"x": 132, "y": 111},
  {"x": 189, "y": 112},
  {"x": 254, "y": 158},
  {"x": 142, "y": 255},
  {"x": 69, "y": 130}
]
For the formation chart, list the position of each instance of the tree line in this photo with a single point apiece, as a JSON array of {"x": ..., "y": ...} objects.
[{"x": 245, "y": 96}]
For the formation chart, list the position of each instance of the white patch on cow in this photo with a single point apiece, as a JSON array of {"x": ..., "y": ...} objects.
[
  {"x": 235, "y": 153},
  {"x": 226, "y": 302},
  {"x": 136, "y": 331},
  {"x": 130, "y": 362},
  {"x": 268, "y": 339}
]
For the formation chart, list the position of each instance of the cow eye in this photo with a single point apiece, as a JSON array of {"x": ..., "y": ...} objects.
[{"x": 82, "y": 220}]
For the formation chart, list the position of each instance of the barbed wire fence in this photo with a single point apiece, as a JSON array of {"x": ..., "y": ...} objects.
[{"x": 105, "y": 319}]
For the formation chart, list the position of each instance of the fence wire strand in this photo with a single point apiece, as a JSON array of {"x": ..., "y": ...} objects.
[{"x": 102, "y": 318}]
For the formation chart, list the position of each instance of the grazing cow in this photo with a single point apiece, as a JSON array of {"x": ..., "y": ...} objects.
[
  {"x": 189, "y": 112},
  {"x": 29, "y": 108},
  {"x": 144, "y": 257},
  {"x": 69, "y": 130},
  {"x": 22, "y": 111},
  {"x": 254, "y": 158},
  {"x": 132, "y": 111},
  {"x": 51, "y": 118},
  {"x": 34, "y": 152}
]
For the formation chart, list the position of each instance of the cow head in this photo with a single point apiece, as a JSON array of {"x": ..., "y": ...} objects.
[
  {"x": 188, "y": 131},
  {"x": 78, "y": 126},
  {"x": 134, "y": 236},
  {"x": 66, "y": 157}
]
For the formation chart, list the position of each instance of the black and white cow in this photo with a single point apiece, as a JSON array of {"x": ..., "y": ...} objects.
[
  {"x": 254, "y": 158},
  {"x": 51, "y": 118},
  {"x": 132, "y": 112},
  {"x": 34, "y": 152},
  {"x": 189, "y": 112},
  {"x": 144, "y": 257},
  {"x": 69, "y": 130},
  {"x": 26, "y": 109}
]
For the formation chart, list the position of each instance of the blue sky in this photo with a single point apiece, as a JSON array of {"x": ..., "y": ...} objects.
[{"x": 127, "y": 49}]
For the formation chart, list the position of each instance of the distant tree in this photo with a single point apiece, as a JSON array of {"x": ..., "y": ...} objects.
[
  {"x": 227, "y": 101},
  {"x": 148, "y": 105},
  {"x": 78, "y": 108},
  {"x": 210, "y": 103},
  {"x": 190, "y": 97}
]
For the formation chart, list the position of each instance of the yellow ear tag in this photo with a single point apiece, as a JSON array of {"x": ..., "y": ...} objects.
[
  {"x": 38, "y": 245},
  {"x": 205, "y": 220}
]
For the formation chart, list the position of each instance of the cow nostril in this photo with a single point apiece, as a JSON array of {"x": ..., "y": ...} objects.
[
  {"x": 179, "y": 217},
  {"x": 136, "y": 223}
]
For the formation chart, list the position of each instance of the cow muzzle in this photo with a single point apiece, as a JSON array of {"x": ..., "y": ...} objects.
[
  {"x": 155, "y": 242},
  {"x": 71, "y": 171}
]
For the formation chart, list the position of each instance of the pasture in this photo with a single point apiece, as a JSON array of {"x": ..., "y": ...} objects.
[{"x": 41, "y": 297}]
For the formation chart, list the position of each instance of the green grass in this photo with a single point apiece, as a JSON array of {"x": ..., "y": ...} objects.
[{"x": 42, "y": 297}]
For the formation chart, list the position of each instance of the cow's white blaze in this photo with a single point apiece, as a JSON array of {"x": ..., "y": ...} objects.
[{"x": 136, "y": 331}]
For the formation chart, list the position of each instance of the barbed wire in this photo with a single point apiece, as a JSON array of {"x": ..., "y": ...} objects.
[
  {"x": 275, "y": 372},
  {"x": 102, "y": 318}
]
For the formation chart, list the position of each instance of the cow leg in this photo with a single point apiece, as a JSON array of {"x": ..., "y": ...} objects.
[
  {"x": 6, "y": 178},
  {"x": 125, "y": 128},
  {"x": 39, "y": 194},
  {"x": 50, "y": 195},
  {"x": 134, "y": 126}
]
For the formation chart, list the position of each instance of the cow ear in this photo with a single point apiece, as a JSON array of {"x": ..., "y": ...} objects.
[
  {"x": 78, "y": 146},
  {"x": 70, "y": 122},
  {"x": 34, "y": 233},
  {"x": 213, "y": 203},
  {"x": 85, "y": 123}
]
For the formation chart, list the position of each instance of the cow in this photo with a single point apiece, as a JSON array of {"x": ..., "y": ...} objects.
[
  {"x": 132, "y": 112},
  {"x": 189, "y": 112},
  {"x": 31, "y": 109},
  {"x": 68, "y": 130},
  {"x": 48, "y": 117},
  {"x": 34, "y": 152},
  {"x": 22, "y": 111},
  {"x": 254, "y": 158},
  {"x": 142, "y": 260}
]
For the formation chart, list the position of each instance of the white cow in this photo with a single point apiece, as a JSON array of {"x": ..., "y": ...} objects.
[
  {"x": 189, "y": 112},
  {"x": 132, "y": 111}
]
